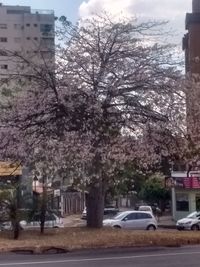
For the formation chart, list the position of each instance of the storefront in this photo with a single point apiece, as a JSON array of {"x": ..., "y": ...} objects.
[{"x": 185, "y": 193}]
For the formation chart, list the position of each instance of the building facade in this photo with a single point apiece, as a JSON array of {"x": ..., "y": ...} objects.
[
  {"x": 26, "y": 32},
  {"x": 186, "y": 185},
  {"x": 185, "y": 193}
]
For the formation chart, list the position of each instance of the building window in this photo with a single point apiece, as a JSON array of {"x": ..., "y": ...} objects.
[
  {"x": 28, "y": 25},
  {"x": 17, "y": 39},
  {"x": 35, "y": 25},
  {"x": 3, "y": 26},
  {"x": 182, "y": 202},
  {"x": 17, "y": 26},
  {"x": 47, "y": 42},
  {"x": 3, "y": 39},
  {"x": 35, "y": 38},
  {"x": 4, "y": 67},
  {"x": 13, "y": 11},
  {"x": 28, "y": 38},
  {"x": 46, "y": 28}
]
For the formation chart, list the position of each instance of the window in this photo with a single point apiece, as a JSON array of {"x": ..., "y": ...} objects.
[
  {"x": 4, "y": 67},
  {"x": 3, "y": 26},
  {"x": 35, "y": 25},
  {"x": 35, "y": 38},
  {"x": 3, "y": 39},
  {"x": 14, "y": 11},
  {"x": 46, "y": 28},
  {"x": 28, "y": 38},
  {"x": 182, "y": 202},
  {"x": 46, "y": 42},
  {"x": 131, "y": 216},
  {"x": 17, "y": 26},
  {"x": 28, "y": 25},
  {"x": 141, "y": 216}
]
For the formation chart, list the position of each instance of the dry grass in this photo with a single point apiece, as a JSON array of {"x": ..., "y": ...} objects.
[{"x": 79, "y": 238}]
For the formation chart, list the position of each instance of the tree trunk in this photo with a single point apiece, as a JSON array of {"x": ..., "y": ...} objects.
[
  {"x": 42, "y": 220},
  {"x": 14, "y": 211},
  {"x": 16, "y": 230},
  {"x": 43, "y": 209},
  {"x": 95, "y": 206}
]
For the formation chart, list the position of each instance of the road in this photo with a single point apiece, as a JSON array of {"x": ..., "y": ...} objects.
[{"x": 140, "y": 257}]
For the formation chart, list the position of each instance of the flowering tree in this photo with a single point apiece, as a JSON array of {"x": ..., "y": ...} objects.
[{"x": 91, "y": 112}]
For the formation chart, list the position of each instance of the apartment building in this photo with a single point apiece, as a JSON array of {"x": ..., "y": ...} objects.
[{"x": 27, "y": 32}]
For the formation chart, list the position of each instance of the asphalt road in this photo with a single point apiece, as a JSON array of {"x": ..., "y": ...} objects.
[{"x": 141, "y": 257}]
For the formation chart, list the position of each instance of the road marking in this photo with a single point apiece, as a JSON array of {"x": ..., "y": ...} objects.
[{"x": 99, "y": 259}]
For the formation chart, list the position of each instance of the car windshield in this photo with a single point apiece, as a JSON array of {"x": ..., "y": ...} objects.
[
  {"x": 192, "y": 215},
  {"x": 120, "y": 216}
]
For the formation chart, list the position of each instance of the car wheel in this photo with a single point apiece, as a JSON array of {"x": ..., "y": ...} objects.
[
  {"x": 117, "y": 226},
  {"x": 151, "y": 228},
  {"x": 195, "y": 227}
]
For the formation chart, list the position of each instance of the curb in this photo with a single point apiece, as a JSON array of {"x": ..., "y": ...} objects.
[
  {"x": 167, "y": 226},
  {"x": 39, "y": 250}
]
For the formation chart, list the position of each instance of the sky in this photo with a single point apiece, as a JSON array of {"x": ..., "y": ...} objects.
[{"x": 172, "y": 10}]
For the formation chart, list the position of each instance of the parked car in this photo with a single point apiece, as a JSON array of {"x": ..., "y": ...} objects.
[
  {"x": 145, "y": 208},
  {"x": 133, "y": 220},
  {"x": 84, "y": 214},
  {"x": 191, "y": 222},
  {"x": 51, "y": 221},
  {"x": 108, "y": 210}
]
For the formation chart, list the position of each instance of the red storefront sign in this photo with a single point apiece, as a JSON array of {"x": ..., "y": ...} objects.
[{"x": 191, "y": 182}]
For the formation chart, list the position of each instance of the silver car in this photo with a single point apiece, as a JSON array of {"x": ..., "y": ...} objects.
[
  {"x": 51, "y": 221},
  {"x": 138, "y": 220},
  {"x": 191, "y": 222}
]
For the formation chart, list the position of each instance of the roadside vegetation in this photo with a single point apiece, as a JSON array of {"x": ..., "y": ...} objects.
[{"x": 83, "y": 238}]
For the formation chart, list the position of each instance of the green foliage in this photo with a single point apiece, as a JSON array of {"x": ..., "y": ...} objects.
[
  {"x": 153, "y": 190},
  {"x": 128, "y": 180}
]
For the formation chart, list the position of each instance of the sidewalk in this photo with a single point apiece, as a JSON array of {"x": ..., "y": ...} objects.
[
  {"x": 74, "y": 221},
  {"x": 166, "y": 222}
]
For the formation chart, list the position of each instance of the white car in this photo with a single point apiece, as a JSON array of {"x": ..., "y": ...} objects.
[
  {"x": 191, "y": 222},
  {"x": 51, "y": 221},
  {"x": 145, "y": 208},
  {"x": 108, "y": 210},
  {"x": 140, "y": 220}
]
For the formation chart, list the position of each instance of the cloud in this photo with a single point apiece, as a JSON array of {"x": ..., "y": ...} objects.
[
  {"x": 156, "y": 8},
  {"x": 172, "y": 10},
  {"x": 111, "y": 6}
]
